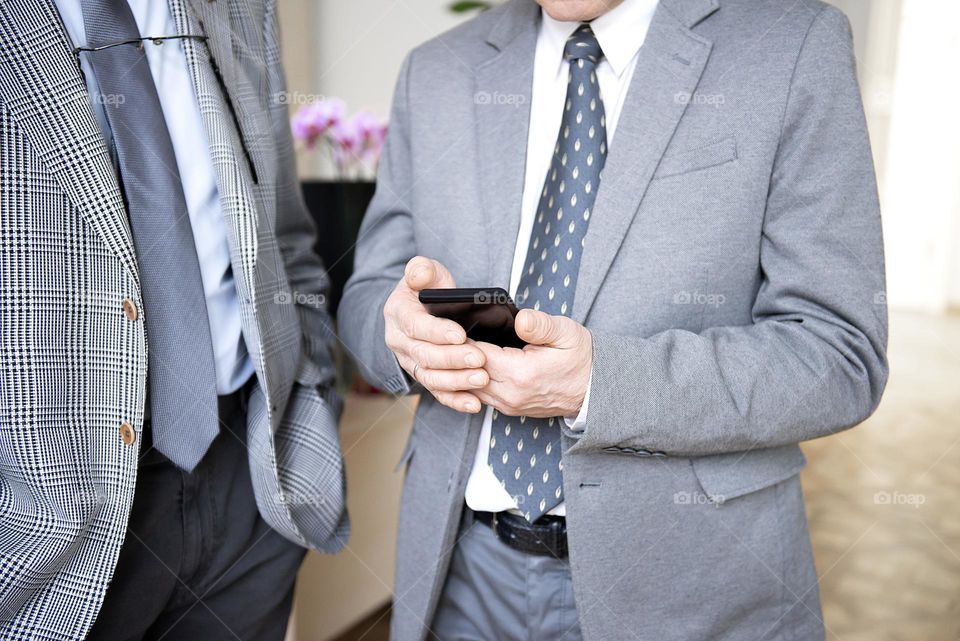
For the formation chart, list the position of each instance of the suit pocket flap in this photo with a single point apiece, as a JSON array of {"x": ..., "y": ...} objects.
[
  {"x": 724, "y": 477},
  {"x": 710, "y": 155}
]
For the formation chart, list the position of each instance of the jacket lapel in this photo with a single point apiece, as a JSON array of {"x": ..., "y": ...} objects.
[
  {"x": 669, "y": 64},
  {"x": 242, "y": 203},
  {"x": 213, "y": 19},
  {"x": 237, "y": 198},
  {"x": 42, "y": 88},
  {"x": 502, "y": 131}
]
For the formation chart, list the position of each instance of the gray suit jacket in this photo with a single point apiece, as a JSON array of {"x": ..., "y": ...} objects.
[
  {"x": 73, "y": 367},
  {"x": 733, "y": 281}
]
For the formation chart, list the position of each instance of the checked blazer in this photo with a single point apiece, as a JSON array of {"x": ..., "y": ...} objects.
[{"x": 73, "y": 366}]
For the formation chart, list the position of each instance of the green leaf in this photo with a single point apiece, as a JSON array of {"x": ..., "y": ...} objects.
[{"x": 469, "y": 5}]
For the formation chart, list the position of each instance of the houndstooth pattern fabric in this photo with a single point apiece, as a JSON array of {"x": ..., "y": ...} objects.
[{"x": 73, "y": 366}]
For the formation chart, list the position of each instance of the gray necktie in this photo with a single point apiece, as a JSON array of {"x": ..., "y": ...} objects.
[
  {"x": 525, "y": 452},
  {"x": 183, "y": 392}
]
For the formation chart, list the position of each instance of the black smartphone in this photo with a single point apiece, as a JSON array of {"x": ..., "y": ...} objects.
[{"x": 486, "y": 313}]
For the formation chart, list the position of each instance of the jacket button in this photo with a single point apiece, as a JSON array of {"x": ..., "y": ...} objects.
[
  {"x": 127, "y": 434},
  {"x": 129, "y": 309}
]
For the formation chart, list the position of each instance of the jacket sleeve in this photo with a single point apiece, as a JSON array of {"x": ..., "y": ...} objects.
[
  {"x": 386, "y": 242},
  {"x": 296, "y": 234},
  {"x": 813, "y": 361}
]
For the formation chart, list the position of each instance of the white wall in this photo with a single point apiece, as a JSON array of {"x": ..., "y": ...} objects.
[
  {"x": 921, "y": 188},
  {"x": 352, "y": 49}
]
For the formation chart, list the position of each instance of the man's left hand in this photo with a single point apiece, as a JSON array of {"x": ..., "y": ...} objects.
[{"x": 548, "y": 377}]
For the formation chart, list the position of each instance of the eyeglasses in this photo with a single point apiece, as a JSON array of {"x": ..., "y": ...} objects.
[{"x": 159, "y": 40}]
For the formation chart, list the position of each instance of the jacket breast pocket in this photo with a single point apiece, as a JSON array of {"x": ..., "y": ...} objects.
[{"x": 690, "y": 160}]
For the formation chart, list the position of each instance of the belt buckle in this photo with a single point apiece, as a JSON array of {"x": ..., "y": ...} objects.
[{"x": 503, "y": 537}]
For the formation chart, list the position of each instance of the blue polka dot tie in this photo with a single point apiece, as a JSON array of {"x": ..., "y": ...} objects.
[{"x": 525, "y": 452}]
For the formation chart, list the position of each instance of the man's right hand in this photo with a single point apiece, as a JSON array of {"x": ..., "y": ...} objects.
[{"x": 433, "y": 351}]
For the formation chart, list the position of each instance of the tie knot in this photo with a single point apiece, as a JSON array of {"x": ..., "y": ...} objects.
[{"x": 582, "y": 44}]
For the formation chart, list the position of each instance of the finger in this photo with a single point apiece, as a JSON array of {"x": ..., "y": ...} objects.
[
  {"x": 426, "y": 273},
  {"x": 408, "y": 365},
  {"x": 497, "y": 360},
  {"x": 449, "y": 380},
  {"x": 439, "y": 380},
  {"x": 538, "y": 328},
  {"x": 460, "y": 401},
  {"x": 433, "y": 356},
  {"x": 420, "y": 325}
]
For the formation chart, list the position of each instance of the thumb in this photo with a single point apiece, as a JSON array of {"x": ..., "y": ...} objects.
[
  {"x": 425, "y": 273},
  {"x": 539, "y": 328}
]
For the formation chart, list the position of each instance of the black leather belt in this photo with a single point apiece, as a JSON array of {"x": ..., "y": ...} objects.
[{"x": 547, "y": 536}]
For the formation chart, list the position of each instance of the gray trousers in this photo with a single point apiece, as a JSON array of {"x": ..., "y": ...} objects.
[{"x": 494, "y": 592}]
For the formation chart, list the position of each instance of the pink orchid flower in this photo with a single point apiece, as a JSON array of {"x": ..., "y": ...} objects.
[{"x": 313, "y": 121}]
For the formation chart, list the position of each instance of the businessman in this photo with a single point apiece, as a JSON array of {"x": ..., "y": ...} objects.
[
  {"x": 168, "y": 445},
  {"x": 681, "y": 197}
]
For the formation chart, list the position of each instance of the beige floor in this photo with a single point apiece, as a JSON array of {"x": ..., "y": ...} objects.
[{"x": 883, "y": 501}]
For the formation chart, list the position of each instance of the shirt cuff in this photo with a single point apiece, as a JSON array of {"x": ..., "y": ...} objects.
[{"x": 579, "y": 422}]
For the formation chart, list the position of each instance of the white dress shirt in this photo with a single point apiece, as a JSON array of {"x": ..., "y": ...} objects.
[
  {"x": 171, "y": 75},
  {"x": 620, "y": 32}
]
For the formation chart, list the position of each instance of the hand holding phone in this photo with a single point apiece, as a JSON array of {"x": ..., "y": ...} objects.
[{"x": 432, "y": 350}]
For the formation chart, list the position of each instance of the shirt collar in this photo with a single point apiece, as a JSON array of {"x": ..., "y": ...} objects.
[{"x": 620, "y": 32}]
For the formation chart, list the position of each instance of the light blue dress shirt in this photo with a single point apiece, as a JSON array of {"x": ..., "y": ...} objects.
[{"x": 171, "y": 75}]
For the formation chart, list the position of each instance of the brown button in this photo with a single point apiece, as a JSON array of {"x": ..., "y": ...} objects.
[
  {"x": 127, "y": 433},
  {"x": 129, "y": 309}
]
